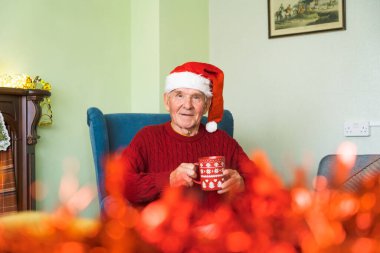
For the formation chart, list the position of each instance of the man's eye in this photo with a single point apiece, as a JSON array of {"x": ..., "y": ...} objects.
[{"x": 179, "y": 95}]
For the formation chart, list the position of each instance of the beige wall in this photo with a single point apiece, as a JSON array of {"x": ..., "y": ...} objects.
[
  {"x": 184, "y": 35},
  {"x": 83, "y": 49},
  {"x": 290, "y": 96},
  {"x": 164, "y": 34},
  {"x": 145, "y": 55}
]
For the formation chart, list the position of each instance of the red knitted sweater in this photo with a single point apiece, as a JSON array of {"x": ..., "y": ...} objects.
[{"x": 157, "y": 150}]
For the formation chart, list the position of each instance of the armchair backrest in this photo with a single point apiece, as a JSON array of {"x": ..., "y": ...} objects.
[
  {"x": 110, "y": 133},
  {"x": 365, "y": 166}
]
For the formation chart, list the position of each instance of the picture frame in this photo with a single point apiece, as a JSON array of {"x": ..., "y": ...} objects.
[{"x": 295, "y": 17}]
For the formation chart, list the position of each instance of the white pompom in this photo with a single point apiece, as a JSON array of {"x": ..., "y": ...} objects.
[{"x": 211, "y": 126}]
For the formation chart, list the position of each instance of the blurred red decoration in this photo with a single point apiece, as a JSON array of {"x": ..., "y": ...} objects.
[{"x": 269, "y": 217}]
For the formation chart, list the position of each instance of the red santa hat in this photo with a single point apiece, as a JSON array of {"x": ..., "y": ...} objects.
[{"x": 204, "y": 77}]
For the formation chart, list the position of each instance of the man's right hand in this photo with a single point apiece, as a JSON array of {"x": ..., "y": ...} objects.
[{"x": 183, "y": 175}]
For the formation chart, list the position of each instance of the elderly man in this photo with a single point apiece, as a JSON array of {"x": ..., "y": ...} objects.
[{"x": 165, "y": 155}]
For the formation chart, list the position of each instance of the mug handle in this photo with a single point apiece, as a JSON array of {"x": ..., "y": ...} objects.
[{"x": 197, "y": 181}]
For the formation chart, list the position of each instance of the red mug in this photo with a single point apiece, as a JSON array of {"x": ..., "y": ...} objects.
[{"x": 210, "y": 170}]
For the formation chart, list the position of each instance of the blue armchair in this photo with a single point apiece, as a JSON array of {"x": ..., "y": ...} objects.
[{"x": 111, "y": 132}]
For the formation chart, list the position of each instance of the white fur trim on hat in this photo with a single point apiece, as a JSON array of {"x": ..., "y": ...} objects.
[
  {"x": 187, "y": 80},
  {"x": 211, "y": 126}
]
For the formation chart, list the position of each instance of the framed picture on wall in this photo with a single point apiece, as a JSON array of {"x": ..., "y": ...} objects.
[{"x": 294, "y": 17}]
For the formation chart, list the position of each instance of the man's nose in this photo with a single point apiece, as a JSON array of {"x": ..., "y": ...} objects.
[{"x": 188, "y": 103}]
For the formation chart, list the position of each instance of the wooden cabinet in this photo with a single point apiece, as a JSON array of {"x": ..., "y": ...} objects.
[{"x": 21, "y": 111}]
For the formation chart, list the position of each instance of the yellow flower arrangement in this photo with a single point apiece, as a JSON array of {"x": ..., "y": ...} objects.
[{"x": 23, "y": 81}]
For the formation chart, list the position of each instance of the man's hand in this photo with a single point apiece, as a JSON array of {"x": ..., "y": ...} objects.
[
  {"x": 183, "y": 175},
  {"x": 234, "y": 182}
]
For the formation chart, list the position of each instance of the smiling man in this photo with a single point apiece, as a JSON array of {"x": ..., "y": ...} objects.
[
  {"x": 165, "y": 155},
  {"x": 186, "y": 107}
]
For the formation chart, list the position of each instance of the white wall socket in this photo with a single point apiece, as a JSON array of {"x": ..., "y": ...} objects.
[{"x": 356, "y": 128}]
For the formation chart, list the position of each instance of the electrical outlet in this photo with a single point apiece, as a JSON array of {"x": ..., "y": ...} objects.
[{"x": 356, "y": 128}]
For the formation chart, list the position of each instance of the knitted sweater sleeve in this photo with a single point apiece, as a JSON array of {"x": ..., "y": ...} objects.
[
  {"x": 141, "y": 185},
  {"x": 246, "y": 167}
]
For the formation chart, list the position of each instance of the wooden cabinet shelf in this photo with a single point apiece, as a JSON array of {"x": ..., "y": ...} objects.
[{"x": 21, "y": 111}]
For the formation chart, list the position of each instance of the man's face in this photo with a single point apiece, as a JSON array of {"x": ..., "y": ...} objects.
[{"x": 186, "y": 107}]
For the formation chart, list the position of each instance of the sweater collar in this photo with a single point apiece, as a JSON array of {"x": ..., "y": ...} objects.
[{"x": 174, "y": 134}]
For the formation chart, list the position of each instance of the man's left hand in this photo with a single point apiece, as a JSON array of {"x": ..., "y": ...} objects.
[{"x": 234, "y": 182}]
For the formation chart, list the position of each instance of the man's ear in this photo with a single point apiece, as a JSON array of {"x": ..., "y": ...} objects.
[
  {"x": 207, "y": 105},
  {"x": 166, "y": 101}
]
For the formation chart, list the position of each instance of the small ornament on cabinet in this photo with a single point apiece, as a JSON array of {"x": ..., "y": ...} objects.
[{"x": 4, "y": 135}]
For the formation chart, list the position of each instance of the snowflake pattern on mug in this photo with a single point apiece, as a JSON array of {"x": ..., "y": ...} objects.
[{"x": 211, "y": 172}]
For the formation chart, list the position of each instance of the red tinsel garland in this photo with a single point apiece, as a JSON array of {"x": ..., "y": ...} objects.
[{"x": 270, "y": 217}]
